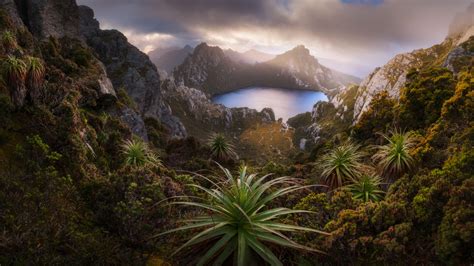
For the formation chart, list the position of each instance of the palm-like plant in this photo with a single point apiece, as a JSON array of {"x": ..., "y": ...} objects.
[
  {"x": 341, "y": 164},
  {"x": 394, "y": 158},
  {"x": 9, "y": 40},
  {"x": 137, "y": 153},
  {"x": 14, "y": 71},
  {"x": 36, "y": 71},
  {"x": 236, "y": 219},
  {"x": 221, "y": 148},
  {"x": 366, "y": 188}
]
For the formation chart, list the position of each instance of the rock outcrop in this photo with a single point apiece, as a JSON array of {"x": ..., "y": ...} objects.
[
  {"x": 202, "y": 117},
  {"x": 45, "y": 18},
  {"x": 130, "y": 69},
  {"x": 122, "y": 65},
  {"x": 392, "y": 76}
]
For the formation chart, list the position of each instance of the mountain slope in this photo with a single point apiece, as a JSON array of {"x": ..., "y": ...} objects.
[
  {"x": 392, "y": 76},
  {"x": 211, "y": 70},
  {"x": 251, "y": 56},
  {"x": 170, "y": 58}
]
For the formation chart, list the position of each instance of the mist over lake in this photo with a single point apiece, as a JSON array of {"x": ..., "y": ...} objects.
[{"x": 285, "y": 103}]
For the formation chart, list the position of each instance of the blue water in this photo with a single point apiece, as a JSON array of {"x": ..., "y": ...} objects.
[{"x": 285, "y": 103}]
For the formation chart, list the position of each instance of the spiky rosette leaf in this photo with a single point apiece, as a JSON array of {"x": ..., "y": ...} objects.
[
  {"x": 15, "y": 71},
  {"x": 366, "y": 188},
  {"x": 14, "y": 74},
  {"x": 235, "y": 217},
  {"x": 221, "y": 148},
  {"x": 137, "y": 153},
  {"x": 9, "y": 40},
  {"x": 36, "y": 72},
  {"x": 341, "y": 165},
  {"x": 394, "y": 158}
]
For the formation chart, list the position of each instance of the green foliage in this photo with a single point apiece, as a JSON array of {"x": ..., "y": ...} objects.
[
  {"x": 14, "y": 71},
  {"x": 9, "y": 41},
  {"x": 36, "y": 72},
  {"x": 423, "y": 96},
  {"x": 221, "y": 148},
  {"x": 379, "y": 117},
  {"x": 81, "y": 56},
  {"x": 235, "y": 215},
  {"x": 394, "y": 158},
  {"x": 341, "y": 164},
  {"x": 366, "y": 188},
  {"x": 137, "y": 154}
]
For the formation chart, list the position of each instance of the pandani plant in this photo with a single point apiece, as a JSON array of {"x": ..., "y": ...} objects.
[
  {"x": 341, "y": 164},
  {"x": 220, "y": 147},
  {"x": 137, "y": 154},
  {"x": 394, "y": 158},
  {"x": 367, "y": 188},
  {"x": 14, "y": 73},
  {"x": 236, "y": 220},
  {"x": 36, "y": 72},
  {"x": 9, "y": 41}
]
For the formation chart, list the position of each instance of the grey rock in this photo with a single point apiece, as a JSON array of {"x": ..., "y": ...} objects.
[
  {"x": 134, "y": 121},
  {"x": 129, "y": 68},
  {"x": 106, "y": 89},
  {"x": 56, "y": 18}
]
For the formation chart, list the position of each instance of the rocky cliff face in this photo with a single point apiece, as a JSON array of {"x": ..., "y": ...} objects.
[
  {"x": 130, "y": 69},
  {"x": 208, "y": 69},
  {"x": 202, "y": 117},
  {"x": 392, "y": 76},
  {"x": 122, "y": 65},
  {"x": 211, "y": 70}
]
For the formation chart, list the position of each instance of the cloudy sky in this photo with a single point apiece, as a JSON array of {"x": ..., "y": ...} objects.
[{"x": 360, "y": 34}]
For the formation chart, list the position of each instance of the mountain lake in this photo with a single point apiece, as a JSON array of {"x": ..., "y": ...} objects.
[{"x": 286, "y": 103}]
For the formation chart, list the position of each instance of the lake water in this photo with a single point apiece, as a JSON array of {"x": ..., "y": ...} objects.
[{"x": 285, "y": 103}]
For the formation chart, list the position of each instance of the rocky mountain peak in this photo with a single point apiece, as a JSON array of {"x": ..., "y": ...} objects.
[
  {"x": 300, "y": 49},
  {"x": 212, "y": 54}
]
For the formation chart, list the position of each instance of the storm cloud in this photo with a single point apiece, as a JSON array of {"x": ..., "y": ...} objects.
[{"x": 366, "y": 32}]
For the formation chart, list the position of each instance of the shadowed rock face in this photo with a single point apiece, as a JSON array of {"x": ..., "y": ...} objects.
[
  {"x": 124, "y": 65},
  {"x": 130, "y": 69},
  {"x": 46, "y": 18}
]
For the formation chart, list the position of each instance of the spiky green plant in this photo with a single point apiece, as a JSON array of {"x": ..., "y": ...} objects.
[
  {"x": 236, "y": 219},
  {"x": 137, "y": 153},
  {"x": 394, "y": 158},
  {"x": 9, "y": 40},
  {"x": 14, "y": 71},
  {"x": 36, "y": 71},
  {"x": 341, "y": 164},
  {"x": 366, "y": 188},
  {"x": 221, "y": 148}
]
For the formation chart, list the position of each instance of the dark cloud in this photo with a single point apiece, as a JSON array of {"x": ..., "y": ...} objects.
[{"x": 366, "y": 30}]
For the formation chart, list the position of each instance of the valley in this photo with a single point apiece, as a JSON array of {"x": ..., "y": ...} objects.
[{"x": 199, "y": 153}]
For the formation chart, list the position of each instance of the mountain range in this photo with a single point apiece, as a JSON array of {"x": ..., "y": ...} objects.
[{"x": 212, "y": 70}]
